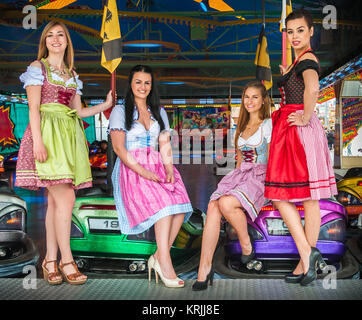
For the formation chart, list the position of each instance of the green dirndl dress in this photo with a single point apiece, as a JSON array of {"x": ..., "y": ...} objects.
[{"x": 63, "y": 137}]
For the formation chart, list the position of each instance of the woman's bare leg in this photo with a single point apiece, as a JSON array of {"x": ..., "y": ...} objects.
[
  {"x": 177, "y": 221},
  {"x": 64, "y": 198},
  {"x": 291, "y": 217},
  {"x": 175, "y": 225},
  {"x": 231, "y": 209},
  {"x": 210, "y": 237},
  {"x": 51, "y": 239},
  {"x": 162, "y": 254},
  {"x": 312, "y": 223}
]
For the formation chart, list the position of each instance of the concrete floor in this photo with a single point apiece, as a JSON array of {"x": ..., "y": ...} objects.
[{"x": 222, "y": 289}]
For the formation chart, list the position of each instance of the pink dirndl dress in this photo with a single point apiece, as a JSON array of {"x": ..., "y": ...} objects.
[
  {"x": 141, "y": 202},
  {"x": 246, "y": 183}
]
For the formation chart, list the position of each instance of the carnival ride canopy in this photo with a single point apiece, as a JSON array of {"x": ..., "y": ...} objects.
[{"x": 194, "y": 53}]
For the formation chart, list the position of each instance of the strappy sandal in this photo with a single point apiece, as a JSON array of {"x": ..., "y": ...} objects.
[
  {"x": 71, "y": 278},
  {"x": 51, "y": 277}
]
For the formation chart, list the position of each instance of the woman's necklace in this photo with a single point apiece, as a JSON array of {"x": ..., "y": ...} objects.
[{"x": 57, "y": 71}]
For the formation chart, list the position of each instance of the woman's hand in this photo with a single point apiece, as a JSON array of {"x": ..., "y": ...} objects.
[
  {"x": 149, "y": 175},
  {"x": 170, "y": 177},
  {"x": 283, "y": 69},
  {"x": 40, "y": 152},
  {"x": 109, "y": 100},
  {"x": 296, "y": 119}
]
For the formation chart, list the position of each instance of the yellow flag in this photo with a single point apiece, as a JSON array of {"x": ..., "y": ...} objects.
[
  {"x": 111, "y": 35},
  {"x": 289, "y": 10},
  {"x": 262, "y": 61}
]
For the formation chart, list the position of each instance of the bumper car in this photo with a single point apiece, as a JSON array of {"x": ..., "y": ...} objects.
[
  {"x": 2, "y": 164},
  {"x": 350, "y": 195},
  {"x": 98, "y": 245},
  {"x": 98, "y": 158},
  {"x": 275, "y": 250},
  {"x": 10, "y": 161},
  {"x": 17, "y": 250},
  {"x": 98, "y": 161}
]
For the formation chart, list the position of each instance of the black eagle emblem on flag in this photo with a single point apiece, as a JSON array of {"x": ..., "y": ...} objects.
[{"x": 108, "y": 16}]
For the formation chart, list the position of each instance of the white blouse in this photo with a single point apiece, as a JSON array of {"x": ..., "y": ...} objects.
[
  {"x": 264, "y": 131},
  {"x": 33, "y": 76},
  {"x": 137, "y": 137}
]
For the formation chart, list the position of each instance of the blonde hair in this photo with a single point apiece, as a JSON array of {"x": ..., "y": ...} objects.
[
  {"x": 244, "y": 115},
  {"x": 69, "y": 52}
]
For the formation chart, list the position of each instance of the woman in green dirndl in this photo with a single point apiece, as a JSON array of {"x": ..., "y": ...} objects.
[{"x": 54, "y": 153}]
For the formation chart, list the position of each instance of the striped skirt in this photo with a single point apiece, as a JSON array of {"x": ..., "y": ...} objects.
[
  {"x": 299, "y": 166},
  {"x": 246, "y": 184},
  {"x": 322, "y": 182},
  {"x": 141, "y": 202}
]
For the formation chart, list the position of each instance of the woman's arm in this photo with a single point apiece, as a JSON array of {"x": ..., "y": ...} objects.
[
  {"x": 118, "y": 142},
  {"x": 166, "y": 155},
  {"x": 310, "y": 96},
  {"x": 311, "y": 93},
  {"x": 239, "y": 158},
  {"x": 34, "y": 97},
  {"x": 88, "y": 112}
]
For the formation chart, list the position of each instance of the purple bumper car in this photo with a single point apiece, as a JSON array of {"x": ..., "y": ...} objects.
[{"x": 273, "y": 242}]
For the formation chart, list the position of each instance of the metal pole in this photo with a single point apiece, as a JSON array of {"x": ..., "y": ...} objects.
[
  {"x": 111, "y": 156},
  {"x": 284, "y": 35}
]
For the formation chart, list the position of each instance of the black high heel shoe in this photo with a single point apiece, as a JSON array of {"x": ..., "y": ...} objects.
[
  {"x": 247, "y": 258},
  {"x": 293, "y": 278},
  {"x": 315, "y": 262},
  {"x": 202, "y": 285}
]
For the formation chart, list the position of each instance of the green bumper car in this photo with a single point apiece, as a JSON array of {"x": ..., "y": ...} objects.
[{"x": 98, "y": 245}]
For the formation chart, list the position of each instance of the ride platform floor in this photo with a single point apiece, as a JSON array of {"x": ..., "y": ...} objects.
[{"x": 141, "y": 289}]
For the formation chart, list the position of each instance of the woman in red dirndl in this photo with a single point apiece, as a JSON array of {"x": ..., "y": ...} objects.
[{"x": 299, "y": 166}]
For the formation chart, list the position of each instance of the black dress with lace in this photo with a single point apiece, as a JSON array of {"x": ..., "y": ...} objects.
[{"x": 291, "y": 84}]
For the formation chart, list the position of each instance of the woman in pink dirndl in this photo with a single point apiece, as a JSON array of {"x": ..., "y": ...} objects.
[
  {"x": 148, "y": 189},
  {"x": 53, "y": 152},
  {"x": 240, "y": 194}
]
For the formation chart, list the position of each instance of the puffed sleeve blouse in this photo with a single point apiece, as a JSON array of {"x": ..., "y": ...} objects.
[
  {"x": 33, "y": 76},
  {"x": 137, "y": 137}
]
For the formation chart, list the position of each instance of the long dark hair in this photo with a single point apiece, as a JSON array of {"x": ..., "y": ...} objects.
[{"x": 153, "y": 101}]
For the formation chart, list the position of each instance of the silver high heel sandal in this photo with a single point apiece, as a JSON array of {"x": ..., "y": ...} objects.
[{"x": 170, "y": 283}]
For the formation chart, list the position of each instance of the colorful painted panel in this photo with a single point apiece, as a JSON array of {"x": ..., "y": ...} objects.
[
  {"x": 352, "y": 126},
  {"x": 14, "y": 118}
]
